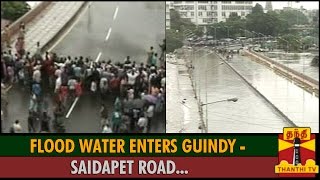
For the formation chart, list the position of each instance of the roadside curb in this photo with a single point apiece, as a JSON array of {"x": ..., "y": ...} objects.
[{"x": 65, "y": 27}]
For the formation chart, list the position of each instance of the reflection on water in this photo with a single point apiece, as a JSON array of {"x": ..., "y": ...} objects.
[
  {"x": 300, "y": 62},
  {"x": 252, "y": 113},
  {"x": 298, "y": 105}
]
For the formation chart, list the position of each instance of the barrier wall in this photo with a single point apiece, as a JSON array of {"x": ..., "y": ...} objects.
[{"x": 293, "y": 74}]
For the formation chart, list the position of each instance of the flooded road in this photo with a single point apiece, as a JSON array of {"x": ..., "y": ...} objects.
[
  {"x": 298, "y": 105},
  {"x": 250, "y": 114},
  {"x": 300, "y": 62}
]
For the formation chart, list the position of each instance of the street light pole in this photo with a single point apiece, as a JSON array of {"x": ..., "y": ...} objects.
[
  {"x": 230, "y": 99},
  {"x": 286, "y": 42}
]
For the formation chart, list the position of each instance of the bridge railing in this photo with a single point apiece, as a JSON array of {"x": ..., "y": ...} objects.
[{"x": 305, "y": 78}]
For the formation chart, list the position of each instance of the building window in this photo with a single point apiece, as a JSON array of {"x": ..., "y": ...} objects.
[
  {"x": 224, "y": 14},
  {"x": 183, "y": 14},
  {"x": 215, "y": 20},
  {"x": 214, "y": 7},
  {"x": 202, "y": 7},
  {"x": 243, "y": 13},
  {"x": 187, "y": 7},
  {"x": 200, "y": 14},
  {"x": 207, "y": 20},
  {"x": 192, "y": 14},
  {"x": 214, "y": 2},
  {"x": 209, "y": 13},
  {"x": 215, "y": 14}
]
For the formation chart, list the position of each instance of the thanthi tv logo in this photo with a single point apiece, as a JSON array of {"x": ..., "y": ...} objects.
[{"x": 296, "y": 153}]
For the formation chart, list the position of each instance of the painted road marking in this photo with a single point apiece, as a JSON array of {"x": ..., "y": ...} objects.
[
  {"x": 115, "y": 13},
  {"x": 108, "y": 35},
  {"x": 98, "y": 57},
  {"x": 71, "y": 108}
]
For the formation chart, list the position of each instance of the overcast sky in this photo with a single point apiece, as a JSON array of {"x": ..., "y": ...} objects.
[{"x": 280, "y": 4}]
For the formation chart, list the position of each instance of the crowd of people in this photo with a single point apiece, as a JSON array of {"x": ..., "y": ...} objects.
[{"x": 138, "y": 88}]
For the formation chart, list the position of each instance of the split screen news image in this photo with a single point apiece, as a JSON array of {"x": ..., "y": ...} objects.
[{"x": 84, "y": 67}]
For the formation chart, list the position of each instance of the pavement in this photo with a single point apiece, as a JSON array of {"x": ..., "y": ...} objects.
[
  {"x": 182, "y": 108},
  {"x": 47, "y": 24}
]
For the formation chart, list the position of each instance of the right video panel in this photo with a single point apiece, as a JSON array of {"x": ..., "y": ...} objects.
[{"x": 241, "y": 67}]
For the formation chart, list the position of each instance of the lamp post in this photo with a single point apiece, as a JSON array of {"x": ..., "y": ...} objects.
[
  {"x": 225, "y": 100},
  {"x": 215, "y": 35},
  {"x": 227, "y": 30},
  {"x": 245, "y": 32},
  {"x": 264, "y": 36},
  {"x": 230, "y": 99},
  {"x": 258, "y": 36},
  {"x": 286, "y": 42},
  {"x": 199, "y": 95}
]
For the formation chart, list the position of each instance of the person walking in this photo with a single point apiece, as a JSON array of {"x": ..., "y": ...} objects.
[
  {"x": 16, "y": 127},
  {"x": 150, "y": 54},
  {"x": 116, "y": 121},
  {"x": 104, "y": 115},
  {"x": 7, "y": 36}
]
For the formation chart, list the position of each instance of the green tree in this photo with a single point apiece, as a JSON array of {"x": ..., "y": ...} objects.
[
  {"x": 293, "y": 17},
  {"x": 173, "y": 40},
  {"x": 257, "y": 9},
  {"x": 13, "y": 10}
]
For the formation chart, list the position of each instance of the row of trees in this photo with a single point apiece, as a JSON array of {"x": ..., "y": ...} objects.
[
  {"x": 270, "y": 23},
  {"x": 13, "y": 10}
]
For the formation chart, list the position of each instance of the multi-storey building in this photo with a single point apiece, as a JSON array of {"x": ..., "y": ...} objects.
[
  {"x": 208, "y": 12},
  {"x": 167, "y": 15}
]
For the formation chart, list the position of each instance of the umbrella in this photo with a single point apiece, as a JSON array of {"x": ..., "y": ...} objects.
[
  {"x": 150, "y": 98},
  {"x": 134, "y": 104}
]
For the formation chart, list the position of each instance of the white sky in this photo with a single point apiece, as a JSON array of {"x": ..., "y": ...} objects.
[
  {"x": 33, "y": 3},
  {"x": 280, "y": 4}
]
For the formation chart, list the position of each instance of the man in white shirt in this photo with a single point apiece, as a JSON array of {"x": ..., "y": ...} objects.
[
  {"x": 37, "y": 75},
  {"x": 130, "y": 94},
  {"x": 104, "y": 84},
  {"x": 143, "y": 124},
  {"x": 17, "y": 127},
  {"x": 58, "y": 84},
  {"x": 72, "y": 85},
  {"x": 132, "y": 77},
  {"x": 57, "y": 73}
]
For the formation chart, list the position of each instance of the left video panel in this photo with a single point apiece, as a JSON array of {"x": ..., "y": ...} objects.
[{"x": 83, "y": 67}]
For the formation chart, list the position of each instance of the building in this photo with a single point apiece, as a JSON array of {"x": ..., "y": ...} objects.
[
  {"x": 268, "y": 6},
  {"x": 167, "y": 15},
  {"x": 209, "y": 12}
]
